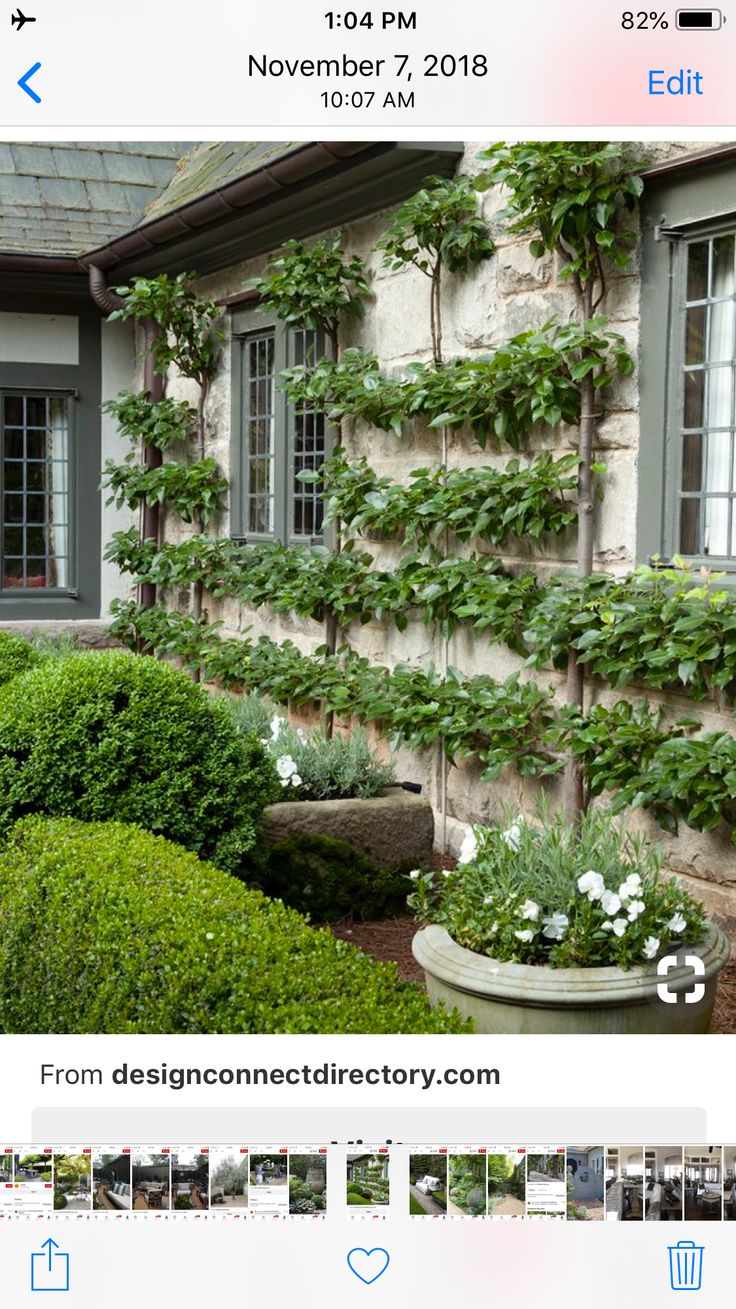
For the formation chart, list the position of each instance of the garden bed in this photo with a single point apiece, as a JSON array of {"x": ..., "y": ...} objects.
[{"x": 391, "y": 829}]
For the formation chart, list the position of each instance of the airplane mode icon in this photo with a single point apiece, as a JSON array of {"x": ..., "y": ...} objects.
[{"x": 19, "y": 20}]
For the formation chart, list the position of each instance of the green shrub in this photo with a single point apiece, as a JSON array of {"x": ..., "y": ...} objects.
[
  {"x": 60, "y": 1200},
  {"x": 328, "y": 879},
  {"x": 111, "y": 735},
  {"x": 16, "y": 656},
  {"x": 357, "y": 1188},
  {"x": 354, "y": 1198},
  {"x": 106, "y": 928}
]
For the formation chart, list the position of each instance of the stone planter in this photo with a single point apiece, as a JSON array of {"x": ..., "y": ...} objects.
[
  {"x": 522, "y": 998},
  {"x": 394, "y": 828}
]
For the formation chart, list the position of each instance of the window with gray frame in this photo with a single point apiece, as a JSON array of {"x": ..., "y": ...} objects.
[
  {"x": 707, "y": 489},
  {"x": 687, "y": 443},
  {"x": 35, "y": 544},
  {"x": 273, "y": 441}
]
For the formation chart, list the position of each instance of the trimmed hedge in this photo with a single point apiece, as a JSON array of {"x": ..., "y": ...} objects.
[
  {"x": 106, "y": 928},
  {"x": 16, "y": 656},
  {"x": 114, "y": 735},
  {"x": 328, "y": 879}
]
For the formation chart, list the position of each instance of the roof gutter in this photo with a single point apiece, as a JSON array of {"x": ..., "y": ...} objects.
[
  {"x": 685, "y": 163},
  {"x": 272, "y": 179}
]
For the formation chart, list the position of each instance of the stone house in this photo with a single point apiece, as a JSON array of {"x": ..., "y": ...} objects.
[{"x": 78, "y": 219}]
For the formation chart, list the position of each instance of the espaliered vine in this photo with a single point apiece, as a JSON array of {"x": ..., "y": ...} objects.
[
  {"x": 188, "y": 339},
  {"x": 487, "y": 504},
  {"x": 624, "y": 749},
  {"x": 660, "y": 627}
]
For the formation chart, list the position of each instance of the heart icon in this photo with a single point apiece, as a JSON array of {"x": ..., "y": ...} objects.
[{"x": 368, "y": 1265}]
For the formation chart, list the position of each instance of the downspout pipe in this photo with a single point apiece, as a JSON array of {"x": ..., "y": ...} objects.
[{"x": 153, "y": 384}]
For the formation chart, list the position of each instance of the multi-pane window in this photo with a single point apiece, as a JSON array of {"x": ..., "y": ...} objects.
[
  {"x": 275, "y": 441},
  {"x": 307, "y": 443},
  {"x": 259, "y": 434},
  {"x": 707, "y": 490},
  {"x": 35, "y": 472}
]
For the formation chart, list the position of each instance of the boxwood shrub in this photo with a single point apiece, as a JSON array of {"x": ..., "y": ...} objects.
[
  {"x": 115, "y": 735},
  {"x": 107, "y": 928},
  {"x": 16, "y": 655}
]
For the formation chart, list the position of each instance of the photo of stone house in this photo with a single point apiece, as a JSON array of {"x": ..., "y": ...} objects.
[
  {"x": 82, "y": 223},
  {"x": 79, "y": 219}
]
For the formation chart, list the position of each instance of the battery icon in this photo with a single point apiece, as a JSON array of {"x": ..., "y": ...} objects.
[{"x": 699, "y": 20}]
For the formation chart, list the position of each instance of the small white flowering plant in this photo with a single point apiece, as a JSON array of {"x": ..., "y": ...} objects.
[
  {"x": 308, "y": 765},
  {"x": 566, "y": 897}
]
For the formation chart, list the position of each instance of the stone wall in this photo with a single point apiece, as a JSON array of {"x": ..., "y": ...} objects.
[{"x": 508, "y": 294}]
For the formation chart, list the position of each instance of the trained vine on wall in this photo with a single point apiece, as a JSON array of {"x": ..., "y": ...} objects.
[{"x": 660, "y": 627}]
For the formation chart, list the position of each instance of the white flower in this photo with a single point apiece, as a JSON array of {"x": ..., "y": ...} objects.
[
  {"x": 555, "y": 927},
  {"x": 277, "y": 724},
  {"x": 468, "y": 849},
  {"x": 209, "y": 936},
  {"x": 447, "y": 872},
  {"x": 512, "y": 837},
  {"x": 415, "y": 873},
  {"x": 296, "y": 780},
  {"x": 651, "y": 946},
  {"x": 488, "y": 900},
  {"x": 607, "y": 926},
  {"x": 301, "y": 733},
  {"x": 591, "y": 884},
  {"x": 285, "y": 767},
  {"x": 629, "y": 889},
  {"x": 635, "y": 908},
  {"x": 677, "y": 924},
  {"x": 610, "y": 903},
  {"x": 524, "y": 936},
  {"x": 530, "y": 911},
  {"x": 619, "y": 926}
]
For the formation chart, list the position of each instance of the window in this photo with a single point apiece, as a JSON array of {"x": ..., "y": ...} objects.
[
  {"x": 50, "y": 457},
  {"x": 707, "y": 489},
  {"x": 687, "y": 441},
  {"x": 35, "y": 475},
  {"x": 273, "y": 442}
]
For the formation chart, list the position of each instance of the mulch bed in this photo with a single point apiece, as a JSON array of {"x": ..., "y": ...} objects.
[
  {"x": 724, "y": 1016},
  {"x": 391, "y": 940},
  {"x": 387, "y": 940}
]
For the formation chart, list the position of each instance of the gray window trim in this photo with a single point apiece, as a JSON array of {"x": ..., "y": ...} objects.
[
  {"x": 675, "y": 213},
  {"x": 246, "y": 323},
  {"x": 48, "y": 593},
  {"x": 83, "y": 383}
]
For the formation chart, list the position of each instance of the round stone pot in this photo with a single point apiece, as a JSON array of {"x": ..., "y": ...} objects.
[
  {"x": 520, "y": 998},
  {"x": 315, "y": 1179}
]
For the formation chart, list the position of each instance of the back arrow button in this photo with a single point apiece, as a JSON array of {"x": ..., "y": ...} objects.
[{"x": 25, "y": 79}]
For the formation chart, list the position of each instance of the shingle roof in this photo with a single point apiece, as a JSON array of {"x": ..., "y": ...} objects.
[
  {"x": 212, "y": 164},
  {"x": 67, "y": 197}
]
